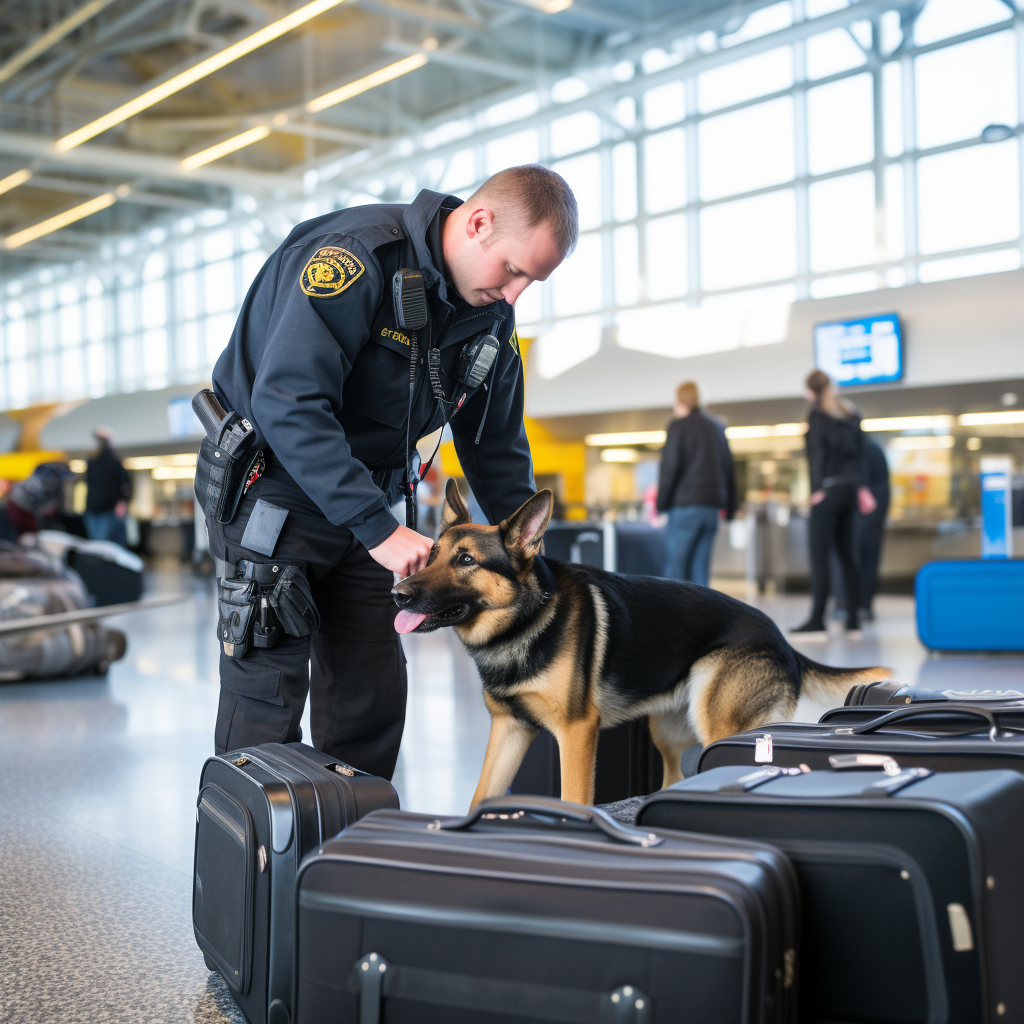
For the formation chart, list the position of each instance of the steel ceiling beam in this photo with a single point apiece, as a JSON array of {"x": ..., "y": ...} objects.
[
  {"x": 112, "y": 160},
  {"x": 466, "y": 62},
  {"x": 51, "y": 37}
]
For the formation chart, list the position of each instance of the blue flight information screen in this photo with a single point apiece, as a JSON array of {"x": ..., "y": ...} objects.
[{"x": 867, "y": 351}]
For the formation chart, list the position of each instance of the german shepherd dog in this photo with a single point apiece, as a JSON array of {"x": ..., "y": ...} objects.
[{"x": 572, "y": 649}]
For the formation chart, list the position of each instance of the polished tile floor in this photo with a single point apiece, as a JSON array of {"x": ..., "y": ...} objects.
[{"x": 97, "y": 800}]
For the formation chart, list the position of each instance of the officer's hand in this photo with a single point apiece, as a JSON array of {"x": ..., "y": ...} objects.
[{"x": 404, "y": 552}]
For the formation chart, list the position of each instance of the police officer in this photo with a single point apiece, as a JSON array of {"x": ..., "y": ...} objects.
[{"x": 320, "y": 366}]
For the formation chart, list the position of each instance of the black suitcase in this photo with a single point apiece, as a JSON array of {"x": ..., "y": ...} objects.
[
  {"x": 536, "y": 910},
  {"x": 628, "y": 764},
  {"x": 260, "y": 810},
  {"x": 889, "y": 692},
  {"x": 944, "y": 737},
  {"x": 911, "y": 886}
]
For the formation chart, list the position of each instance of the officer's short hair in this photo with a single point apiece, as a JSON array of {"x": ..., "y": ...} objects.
[{"x": 542, "y": 195}]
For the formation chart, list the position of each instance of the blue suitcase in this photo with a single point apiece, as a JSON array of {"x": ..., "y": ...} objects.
[{"x": 971, "y": 605}]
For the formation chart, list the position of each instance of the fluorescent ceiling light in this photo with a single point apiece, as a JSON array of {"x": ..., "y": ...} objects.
[
  {"x": 206, "y": 156},
  {"x": 153, "y": 461},
  {"x": 371, "y": 81},
  {"x": 984, "y": 419},
  {"x": 620, "y": 455},
  {"x": 14, "y": 180},
  {"x": 198, "y": 71},
  {"x": 61, "y": 220},
  {"x": 174, "y": 472},
  {"x": 767, "y": 430},
  {"x": 920, "y": 443},
  {"x": 626, "y": 437},
  {"x": 908, "y": 423}
]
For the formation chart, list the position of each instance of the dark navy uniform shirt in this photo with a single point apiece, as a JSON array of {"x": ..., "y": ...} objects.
[{"x": 319, "y": 366}]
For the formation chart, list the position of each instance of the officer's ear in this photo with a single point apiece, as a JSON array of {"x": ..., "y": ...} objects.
[{"x": 455, "y": 510}]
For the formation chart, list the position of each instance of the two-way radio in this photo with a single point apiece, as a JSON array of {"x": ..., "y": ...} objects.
[{"x": 476, "y": 362}]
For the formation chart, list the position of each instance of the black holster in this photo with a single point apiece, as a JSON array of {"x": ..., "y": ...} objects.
[
  {"x": 258, "y": 601},
  {"x": 227, "y": 460}
]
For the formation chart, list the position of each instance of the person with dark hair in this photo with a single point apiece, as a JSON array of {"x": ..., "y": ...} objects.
[
  {"x": 835, "y": 451},
  {"x": 108, "y": 491},
  {"x": 336, "y": 394},
  {"x": 697, "y": 484}
]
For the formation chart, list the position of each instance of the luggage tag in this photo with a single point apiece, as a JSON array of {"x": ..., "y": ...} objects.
[{"x": 264, "y": 527}]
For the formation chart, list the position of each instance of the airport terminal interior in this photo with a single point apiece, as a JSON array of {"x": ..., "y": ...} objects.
[{"x": 765, "y": 188}]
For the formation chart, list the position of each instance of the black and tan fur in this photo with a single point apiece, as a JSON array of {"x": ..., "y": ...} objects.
[{"x": 573, "y": 649}]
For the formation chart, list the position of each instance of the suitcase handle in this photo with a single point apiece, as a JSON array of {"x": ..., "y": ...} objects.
[
  {"x": 917, "y": 711},
  {"x": 514, "y": 806}
]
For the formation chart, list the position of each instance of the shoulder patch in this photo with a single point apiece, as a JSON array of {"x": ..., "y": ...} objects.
[
  {"x": 329, "y": 272},
  {"x": 513, "y": 340}
]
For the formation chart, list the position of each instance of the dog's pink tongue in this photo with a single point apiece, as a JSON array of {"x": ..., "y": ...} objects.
[{"x": 406, "y": 622}]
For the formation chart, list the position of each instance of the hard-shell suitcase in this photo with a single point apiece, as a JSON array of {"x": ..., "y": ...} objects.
[
  {"x": 535, "y": 910},
  {"x": 867, "y": 702},
  {"x": 628, "y": 764},
  {"x": 911, "y": 886},
  {"x": 971, "y": 605},
  {"x": 943, "y": 737},
  {"x": 889, "y": 692},
  {"x": 260, "y": 810}
]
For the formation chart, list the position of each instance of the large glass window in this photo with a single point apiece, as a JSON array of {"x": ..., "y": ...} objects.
[
  {"x": 968, "y": 197},
  {"x": 665, "y": 170},
  {"x": 748, "y": 241},
  {"x": 963, "y": 88},
  {"x": 840, "y": 125},
  {"x": 842, "y": 212},
  {"x": 666, "y": 257},
  {"x": 747, "y": 149},
  {"x": 745, "y": 79}
]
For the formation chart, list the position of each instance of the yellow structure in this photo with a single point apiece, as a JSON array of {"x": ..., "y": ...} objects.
[
  {"x": 19, "y": 465},
  {"x": 551, "y": 456}
]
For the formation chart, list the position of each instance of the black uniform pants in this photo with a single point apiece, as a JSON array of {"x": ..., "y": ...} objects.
[
  {"x": 831, "y": 525},
  {"x": 353, "y": 668}
]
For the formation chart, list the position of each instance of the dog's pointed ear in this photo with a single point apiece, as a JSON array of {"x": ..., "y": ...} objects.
[
  {"x": 524, "y": 529},
  {"x": 455, "y": 509}
]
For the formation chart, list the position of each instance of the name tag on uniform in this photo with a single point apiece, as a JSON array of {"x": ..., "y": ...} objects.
[{"x": 264, "y": 527}]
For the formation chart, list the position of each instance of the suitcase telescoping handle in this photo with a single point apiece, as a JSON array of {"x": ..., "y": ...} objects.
[
  {"x": 503, "y": 808},
  {"x": 910, "y": 712}
]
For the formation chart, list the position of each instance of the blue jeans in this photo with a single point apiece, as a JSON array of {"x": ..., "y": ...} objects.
[
  {"x": 690, "y": 535},
  {"x": 105, "y": 526}
]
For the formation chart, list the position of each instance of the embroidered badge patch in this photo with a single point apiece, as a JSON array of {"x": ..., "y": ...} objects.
[
  {"x": 514, "y": 340},
  {"x": 329, "y": 272}
]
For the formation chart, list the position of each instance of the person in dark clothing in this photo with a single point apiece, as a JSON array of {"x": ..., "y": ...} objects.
[
  {"x": 108, "y": 491},
  {"x": 835, "y": 452},
  {"x": 696, "y": 486},
  {"x": 869, "y": 529},
  {"x": 338, "y": 394}
]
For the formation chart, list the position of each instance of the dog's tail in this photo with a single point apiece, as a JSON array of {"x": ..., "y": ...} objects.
[{"x": 824, "y": 687}]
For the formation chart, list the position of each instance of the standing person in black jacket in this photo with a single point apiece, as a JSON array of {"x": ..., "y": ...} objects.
[
  {"x": 337, "y": 394},
  {"x": 870, "y": 527},
  {"x": 835, "y": 452},
  {"x": 697, "y": 484},
  {"x": 108, "y": 491}
]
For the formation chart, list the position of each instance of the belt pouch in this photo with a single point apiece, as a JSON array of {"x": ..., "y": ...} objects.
[
  {"x": 220, "y": 479},
  {"x": 236, "y": 605}
]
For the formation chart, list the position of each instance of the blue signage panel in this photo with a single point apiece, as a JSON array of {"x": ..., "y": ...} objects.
[
  {"x": 996, "y": 508},
  {"x": 866, "y": 351}
]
